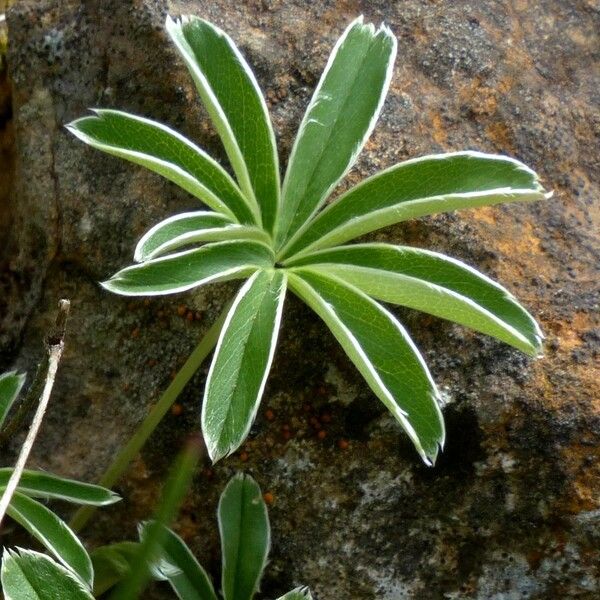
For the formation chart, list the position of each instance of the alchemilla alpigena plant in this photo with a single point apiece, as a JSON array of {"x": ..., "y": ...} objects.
[{"x": 285, "y": 236}]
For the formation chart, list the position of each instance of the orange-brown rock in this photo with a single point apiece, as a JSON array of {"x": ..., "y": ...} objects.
[{"x": 512, "y": 510}]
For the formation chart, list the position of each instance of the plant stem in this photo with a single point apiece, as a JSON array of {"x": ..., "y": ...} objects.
[
  {"x": 55, "y": 346},
  {"x": 154, "y": 532},
  {"x": 147, "y": 427}
]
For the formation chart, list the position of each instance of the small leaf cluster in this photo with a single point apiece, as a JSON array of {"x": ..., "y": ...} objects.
[
  {"x": 245, "y": 542},
  {"x": 281, "y": 236},
  {"x": 77, "y": 575}
]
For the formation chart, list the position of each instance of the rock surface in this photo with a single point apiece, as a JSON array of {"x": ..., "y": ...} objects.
[{"x": 512, "y": 510}]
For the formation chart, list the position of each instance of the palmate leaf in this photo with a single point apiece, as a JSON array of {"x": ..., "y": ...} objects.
[
  {"x": 231, "y": 95},
  {"x": 28, "y": 575},
  {"x": 241, "y": 364},
  {"x": 38, "y": 484},
  {"x": 383, "y": 353},
  {"x": 190, "y": 228},
  {"x": 433, "y": 283},
  {"x": 54, "y": 534},
  {"x": 10, "y": 387},
  {"x": 245, "y": 537},
  {"x": 338, "y": 121},
  {"x": 220, "y": 261},
  {"x": 166, "y": 152},
  {"x": 415, "y": 188},
  {"x": 177, "y": 565},
  {"x": 255, "y": 234}
]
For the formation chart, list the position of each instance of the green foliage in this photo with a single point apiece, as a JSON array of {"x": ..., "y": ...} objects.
[
  {"x": 245, "y": 537},
  {"x": 32, "y": 576},
  {"x": 178, "y": 566},
  {"x": 244, "y": 354},
  {"x": 52, "y": 532},
  {"x": 235, "y": 104},
  {"x": 175, "y": 488},
  {"x": 243, "y": 525},
  {"x": 39, "y": 484},
  {"x": 276, "y": 236},
  {"x": 44, "y": 525},
  {"x": 383, "y": 353},
  {"x": 245, "y": 542},
  {"x": 416, "y": 188},
  {"x": 337, "y": 123},
  {"x": 10, "y": 387},
  {"x": 112, "y": 564},
  {"x": 28, "y": 575}
]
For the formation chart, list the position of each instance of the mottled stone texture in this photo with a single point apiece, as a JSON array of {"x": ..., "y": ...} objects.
[{"x": 512, "y": 509}]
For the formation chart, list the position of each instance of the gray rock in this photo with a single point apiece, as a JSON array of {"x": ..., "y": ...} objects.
[{"x": 512, "y": 508}]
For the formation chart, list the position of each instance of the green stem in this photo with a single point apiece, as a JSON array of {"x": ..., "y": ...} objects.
[
  {"x": 154, "y": 532},
  {"x": 147, "y": 427}
]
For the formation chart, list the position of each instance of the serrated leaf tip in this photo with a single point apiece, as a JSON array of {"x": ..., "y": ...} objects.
[
  {"x": 180, "y": 21},
  {"x": 383, "y": 28},
  {"x": 171, "y": 23}
]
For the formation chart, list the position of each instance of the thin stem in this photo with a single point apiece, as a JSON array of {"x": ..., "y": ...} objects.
[
  {"x": 55, "y": 346},
  {"x": 147, "y": 427},
  {"x": 155, "y": 531}
]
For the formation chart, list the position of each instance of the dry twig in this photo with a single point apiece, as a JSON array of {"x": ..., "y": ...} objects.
[{"x": 54, "y": 346}]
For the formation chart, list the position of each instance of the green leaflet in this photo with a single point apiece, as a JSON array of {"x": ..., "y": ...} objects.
[
  {"x": 159, "y": 239},
  {"x": 112, "y": 564},
  {"x": 301, "y": 593},
  {"x": 29, "y": 575},
  {"x": 382, "y": 351},
  {"x": 245, "y": 537},
  {"x": 185, "y": 270},
  {"x": 338, "y": 121},
  {"x": 166, "y": 152},
  {"x": 10, "y": 386},
  {"x": 179, "y": 567},
  {"x": 415, "y": 188},
  {"x": 231, "y": 95},
  {"x": 190, "y": 228},
  {"x": 54, "y": 534},
  {"x": 241, "y": 363},
  {"x": 433, "y": 283},
  {"x": 38, "y": 484}
]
